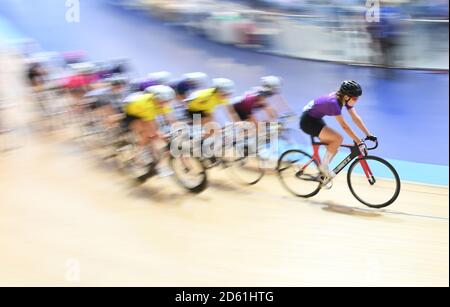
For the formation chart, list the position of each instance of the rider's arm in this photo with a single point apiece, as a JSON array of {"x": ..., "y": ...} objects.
[
  {"x": 157, "y": 134},
  {"x": 358, "y": 121},
  {"x": 284, "y": 104},
  {"x": 169, "y": 118},
  {"x": 152, "y": 129},
  {"x": 268, "y": 109},
  {"x": 271, "y": 113},
  {"x": 347, "y": 129}
]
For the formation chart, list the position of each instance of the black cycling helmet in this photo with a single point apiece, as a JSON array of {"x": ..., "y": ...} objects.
[{"x": 351, "y": 88}]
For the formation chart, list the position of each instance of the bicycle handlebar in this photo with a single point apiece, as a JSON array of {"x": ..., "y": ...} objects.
[
  {"x": 286, "y": 118},
  {"x": 371, "y": 148}
]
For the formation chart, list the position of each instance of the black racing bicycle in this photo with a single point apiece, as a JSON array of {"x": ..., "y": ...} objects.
[{"x": 372, "y": 180}]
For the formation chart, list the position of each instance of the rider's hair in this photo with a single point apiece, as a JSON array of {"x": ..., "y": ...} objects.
[{"x": 340, "y": 98}]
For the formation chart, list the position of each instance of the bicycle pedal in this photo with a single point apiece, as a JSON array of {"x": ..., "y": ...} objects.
[{"x": 327, "y": 184}]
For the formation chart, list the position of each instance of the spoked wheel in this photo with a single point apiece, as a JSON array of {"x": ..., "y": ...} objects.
[
  {"x": 374, "y": 182},
  {"x": 112, "y": 143},
  {"x": 247, "y": 170},
  {"x": 125, "y": 156},
  {"x": 91, "y": 135},
  {"x": 189, "y": 173},
  {"x": 244, "y": 164},
  {"x": 123, "y": 149},
  {"x": 299, "y": 173}
]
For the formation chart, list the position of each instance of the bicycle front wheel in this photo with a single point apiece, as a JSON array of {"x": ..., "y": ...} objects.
[
  {"x": 246, "y": 167},
  {"x": 189, "y": 173},
  {"x": 299, "y": 173},
  {"x": 374, "y": 182}
]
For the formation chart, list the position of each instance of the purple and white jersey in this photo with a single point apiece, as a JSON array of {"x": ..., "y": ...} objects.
[{"x": 324, "y": 106}]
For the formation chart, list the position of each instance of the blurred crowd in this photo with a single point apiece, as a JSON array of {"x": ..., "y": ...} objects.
[
  {"x": 397, "y": 37},
  {"x": 432, "y": 9}
]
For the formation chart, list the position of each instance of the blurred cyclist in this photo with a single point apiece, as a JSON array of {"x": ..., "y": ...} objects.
[
  {"x": 256, "y": 100},
  {"x": 313, "y": 124},
  {"x": 273, "y": 85},
  {"x": 204, "y": 102},
  {"x": 188, "y": 83},
  {"x": 105, "y": 101},
  {"x": 142, "y": 110},
  {"x": 36, "y": 75},
  {"x": 184, "y": 87},
  {"x": 80, "y": 82}
]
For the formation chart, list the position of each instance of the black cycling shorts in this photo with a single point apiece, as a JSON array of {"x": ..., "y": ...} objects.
[
  {"x": 129, "y": 119},
  {"x": 243, "y": 116},
  {"x": 190, "y": 114},
  {"x": 311, "y": 125}
]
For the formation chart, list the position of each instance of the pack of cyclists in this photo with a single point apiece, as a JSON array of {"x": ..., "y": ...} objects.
[{"x": 144, "y": 105}]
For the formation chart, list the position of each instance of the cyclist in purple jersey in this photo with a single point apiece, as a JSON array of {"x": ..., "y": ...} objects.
[{"x": 313, "y": 124}]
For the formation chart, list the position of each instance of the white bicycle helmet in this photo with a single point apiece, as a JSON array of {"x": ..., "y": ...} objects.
[
  {"x": 161, "y": 77},
  {"x": 272, "y": 83},
  {"x": 196, "y": 77},
  {"x": 225, "y": 86},
  {"x": 262, "y": 91},
  {"x": 161, "y": 92}
]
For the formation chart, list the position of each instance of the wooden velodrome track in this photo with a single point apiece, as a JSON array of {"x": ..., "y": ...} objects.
[{"x": 60, "y": 208}]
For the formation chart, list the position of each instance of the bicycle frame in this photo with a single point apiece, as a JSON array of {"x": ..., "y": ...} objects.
[{"x": 354, "y": 153}]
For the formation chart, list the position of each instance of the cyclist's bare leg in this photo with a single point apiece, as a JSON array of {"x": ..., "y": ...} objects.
[
  {"x": 145, "y": 130},
  {"x": 208, "y": 133},
  {"x": 205, "y": 121},
  {"x": 334, "y": 140},
  {"x": 253, "y": 120},
  {"x": 146, "y": 135}
]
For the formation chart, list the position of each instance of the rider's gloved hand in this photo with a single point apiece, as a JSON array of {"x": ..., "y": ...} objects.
[
  {"x": 363, "y": 148},
  {"x": 372, "y": 138}
]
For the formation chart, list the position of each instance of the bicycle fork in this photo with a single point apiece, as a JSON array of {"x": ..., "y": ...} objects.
[{"x": 367, "y": 171}]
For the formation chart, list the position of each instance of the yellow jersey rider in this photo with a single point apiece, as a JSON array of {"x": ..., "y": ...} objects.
[
  {"x": 142, "y": 110},
  {"x": 205, "y": 102}
]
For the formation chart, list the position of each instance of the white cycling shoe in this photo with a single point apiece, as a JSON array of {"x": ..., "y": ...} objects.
[{"x": 327, "y": 177}]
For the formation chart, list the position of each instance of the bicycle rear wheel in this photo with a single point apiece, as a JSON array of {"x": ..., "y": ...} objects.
[
  {"x": 374, "y": 182},
  {"x": 299, "y": 173}
]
